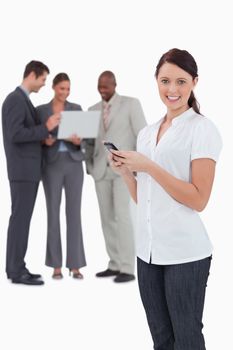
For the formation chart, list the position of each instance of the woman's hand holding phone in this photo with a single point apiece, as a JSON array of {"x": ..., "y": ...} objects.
[{"x": 116, "y": 165}]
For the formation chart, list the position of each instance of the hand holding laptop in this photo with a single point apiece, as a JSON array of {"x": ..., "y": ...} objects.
[
  {"x": 53, "y": 121},
  {"x": 76, "y": 140}
]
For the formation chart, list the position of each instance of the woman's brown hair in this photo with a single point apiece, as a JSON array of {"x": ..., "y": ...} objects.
[{"x": 60, "y": 77}]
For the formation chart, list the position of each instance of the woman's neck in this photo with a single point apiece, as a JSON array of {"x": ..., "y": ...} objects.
[
  {"x": 58, "y": 106},
  {"x": 171, "y": 114}
]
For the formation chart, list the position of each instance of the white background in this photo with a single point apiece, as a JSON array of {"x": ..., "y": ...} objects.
[{"x": 83, "y": 38}]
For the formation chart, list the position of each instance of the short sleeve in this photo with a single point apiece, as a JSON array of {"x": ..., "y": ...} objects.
[{"x": 207, "y": 142}]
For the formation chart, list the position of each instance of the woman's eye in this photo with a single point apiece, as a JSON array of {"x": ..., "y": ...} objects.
[
  {"x": 181, "y": 82},
  {"x": 164, "y": 81}
]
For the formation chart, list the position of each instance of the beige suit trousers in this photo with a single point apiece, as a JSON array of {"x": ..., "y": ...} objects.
[{"x": 114, "y": 205}]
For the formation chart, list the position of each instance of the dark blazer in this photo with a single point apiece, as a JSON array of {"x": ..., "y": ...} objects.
[
  {"x": 22, "y": 136},
  {"x": 50, "y": 153}
]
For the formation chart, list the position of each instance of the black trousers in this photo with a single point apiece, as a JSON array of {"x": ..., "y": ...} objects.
[
  {"x": 173, "y": 298},
  {"x": 23, "y": 196}
]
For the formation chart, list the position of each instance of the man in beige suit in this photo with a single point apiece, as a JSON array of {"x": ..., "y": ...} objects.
[{"x": 122, "y": 118}]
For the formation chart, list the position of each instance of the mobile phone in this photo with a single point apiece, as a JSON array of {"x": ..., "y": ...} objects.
[{"x": 110, "y": 145}]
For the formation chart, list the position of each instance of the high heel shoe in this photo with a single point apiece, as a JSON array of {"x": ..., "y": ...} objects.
[
  {"x": 76, "y": 274},
  {"x": 57, "y": 275}
]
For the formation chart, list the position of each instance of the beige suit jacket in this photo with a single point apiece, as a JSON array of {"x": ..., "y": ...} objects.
[{"x": 126, "y": 119}]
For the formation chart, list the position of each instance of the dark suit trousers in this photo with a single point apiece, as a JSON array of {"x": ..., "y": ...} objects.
[{"x": 23, "y": 196}]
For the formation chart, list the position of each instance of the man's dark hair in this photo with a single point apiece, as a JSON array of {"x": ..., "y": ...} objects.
[{"x": 37, "y": 67}]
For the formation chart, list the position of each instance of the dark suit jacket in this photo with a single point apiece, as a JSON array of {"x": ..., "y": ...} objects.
[
  {"x": 22, "y": 136},
  {"x": 50, "y": 153}
]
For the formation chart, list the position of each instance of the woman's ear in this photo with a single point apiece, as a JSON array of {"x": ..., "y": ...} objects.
[{"x": 195, "y": 80}]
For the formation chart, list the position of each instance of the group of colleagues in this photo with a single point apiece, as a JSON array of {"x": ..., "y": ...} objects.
[
  {"x": 168, "y": 169},
  {"x": 33, "y": 152}
]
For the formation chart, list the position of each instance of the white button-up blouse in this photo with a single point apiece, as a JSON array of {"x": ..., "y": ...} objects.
[{"x": 169, "y": 232}]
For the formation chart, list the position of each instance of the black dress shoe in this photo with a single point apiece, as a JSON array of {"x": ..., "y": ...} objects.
[
  {"x": 27, "y": 279},
  {"x": 107, "y": 273},
  {"x": 124, "y": 277},
  {"x": 34, "y": 275}
]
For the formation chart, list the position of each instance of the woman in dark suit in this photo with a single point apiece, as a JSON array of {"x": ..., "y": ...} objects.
[{"x": 63, "y": 169}]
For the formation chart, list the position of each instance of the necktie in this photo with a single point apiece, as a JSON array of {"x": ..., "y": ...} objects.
[{"x": 106, "y": 112}]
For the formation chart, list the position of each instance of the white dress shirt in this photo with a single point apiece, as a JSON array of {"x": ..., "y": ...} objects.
[{"x": 169, "y": 232}]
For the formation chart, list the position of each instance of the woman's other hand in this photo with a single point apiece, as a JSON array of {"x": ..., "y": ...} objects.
[{"x": 75, "y": 140}]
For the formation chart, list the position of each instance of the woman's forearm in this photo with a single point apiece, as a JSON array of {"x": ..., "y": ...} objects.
[{"x": 189, "y": 194}]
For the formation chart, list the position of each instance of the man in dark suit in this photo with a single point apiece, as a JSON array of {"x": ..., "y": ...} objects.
[{"x": 22, "y": 136}]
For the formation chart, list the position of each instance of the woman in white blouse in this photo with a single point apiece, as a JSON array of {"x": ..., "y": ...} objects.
[{"x": 175, "y": 164}]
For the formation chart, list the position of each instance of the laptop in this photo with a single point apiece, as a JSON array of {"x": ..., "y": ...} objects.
[{"x": 82, "y": 124}]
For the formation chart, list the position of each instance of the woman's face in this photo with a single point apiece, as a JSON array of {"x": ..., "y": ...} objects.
[
  {"x": 175, "y": 86},
  {"x": 62, "y": 90}
]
